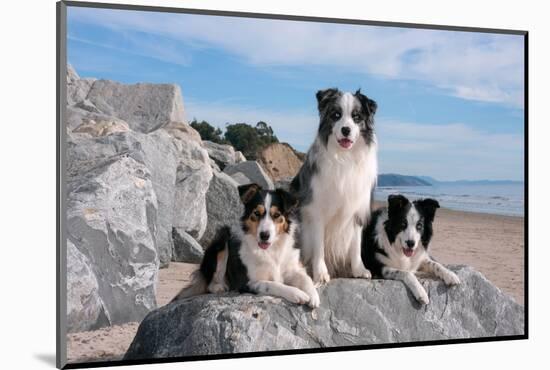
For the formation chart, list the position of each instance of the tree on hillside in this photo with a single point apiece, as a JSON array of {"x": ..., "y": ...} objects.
[
  {"x": 266, "y": 133},
  {"x": 208, "y": 132},
  {"x": 249, "y": 140}
]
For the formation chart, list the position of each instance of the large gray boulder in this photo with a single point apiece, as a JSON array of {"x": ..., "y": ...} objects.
[
  {"x": 222, "y": 154},
  {"x": 186, "y": 249},
  {"x": 352, "y": 312},
  {"x": 253, "y": 171},
  {"x": 112, "y": 221},
  {"x": 223, "y": 205},
  {"x": 85, "y": 308},
  {"x": 193, "y": 177},
  {"x": 77, "y": 88},
  {"x": 156, "y": 151},
  {"x": 146, "y": 107}
]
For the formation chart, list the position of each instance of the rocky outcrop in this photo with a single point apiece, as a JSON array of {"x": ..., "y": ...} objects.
[
  {"x": 135, "y": 171},
  {"x": 85, "y": 308},
  {"x": 252, "y": 171},
  {"x": 223, "y": 155},
  {"x": 112, "y": 221},
  {"x": 193, "y": 177},
  {"x": 186, "y": 249},
  {"x": 146, "y": 107},
  {"x": 352, "y": 312},
  {"x": 156, "y": 151},
  {"x": 279, "y": 160},
  {"x": 223, "y": 205}
]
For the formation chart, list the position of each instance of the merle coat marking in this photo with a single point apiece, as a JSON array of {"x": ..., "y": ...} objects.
[{"x": 335, "y": 185}]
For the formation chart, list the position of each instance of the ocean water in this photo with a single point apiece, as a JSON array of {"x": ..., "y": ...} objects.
[{"x": 500, "y": 199}]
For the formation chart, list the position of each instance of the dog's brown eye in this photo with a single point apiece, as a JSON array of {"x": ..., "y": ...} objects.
[
  {"x": 276, "y": 215},
  {"x": 257, "y": 214}
]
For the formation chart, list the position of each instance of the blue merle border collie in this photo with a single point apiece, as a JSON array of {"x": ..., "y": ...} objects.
[
  {"x": 334, "y": 186},
  {"x": 396, "y": 241},
  {"x": 259, "y": 255}
]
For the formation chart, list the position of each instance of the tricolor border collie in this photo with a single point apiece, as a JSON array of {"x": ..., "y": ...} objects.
[
  {"x": 396, "y": 241},
  {"x": 259, "y": 255},
  {"x": 334, "y": 186}
]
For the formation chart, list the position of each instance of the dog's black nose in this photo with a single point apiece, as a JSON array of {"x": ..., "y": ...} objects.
[
  {"x": 410, "y": 243},
  {"x": 346, "y": 130},
  {"x": 264, "y": 235}
]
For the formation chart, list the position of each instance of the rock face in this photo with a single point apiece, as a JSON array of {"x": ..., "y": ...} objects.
[
  {"x": 253, "y": 171},
  {"x": 223, "y": 155},
  {"x": 155, "y": 151},
  {"x": 146, "y": 107},
  {"x": 223, "y": 205},
  {"x": 135, "y": 172},
  {"x": 112, "y": 221},
  {"x": 193, "y": 177},
  {"x": 352, "y": 312},
  {"x": 85, "y": 308},
  {"x": 279, "y": 161},
  {"x": 186, "y": 249}
]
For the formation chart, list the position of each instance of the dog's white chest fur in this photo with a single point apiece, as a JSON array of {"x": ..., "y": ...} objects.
[
  {"x": 271, "y": 264},
  {"x": 341, "y": 193}
]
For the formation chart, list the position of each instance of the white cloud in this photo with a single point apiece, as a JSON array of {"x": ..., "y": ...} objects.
[{"x": 483, "y": 67}]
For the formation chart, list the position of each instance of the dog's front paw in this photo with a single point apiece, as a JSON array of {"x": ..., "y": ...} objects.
[
  {"x": 321, "y": 275},
  {"x": 217, "y": 288},
  {"x": 314, "y": 300},
  {"x": 361, "y": 272},
  {"x": 451, "y": 278},
  {"x": 298, "y": 296},
  {"x": 422, "y": 297}
]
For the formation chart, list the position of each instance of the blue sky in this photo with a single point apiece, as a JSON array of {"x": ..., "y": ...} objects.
[{"x": 450, "y": 103}]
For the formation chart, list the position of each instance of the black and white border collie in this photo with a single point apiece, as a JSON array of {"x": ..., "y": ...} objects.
[
  {"x": 334, "y": 186},
  {"x": 259, "y": 255},
  {"x": 396, "y": 241}
]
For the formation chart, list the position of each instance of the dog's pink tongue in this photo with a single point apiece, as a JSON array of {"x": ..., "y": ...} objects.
[
  {"x": 263, "y": 245},
  {"x": 345, "y": 143},
  {"x": 408, "y": 252}
]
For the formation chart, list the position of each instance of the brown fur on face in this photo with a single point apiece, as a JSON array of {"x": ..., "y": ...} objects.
[
  {"x": 253, "y": 221},
  {"x": 281, "y": 224}
]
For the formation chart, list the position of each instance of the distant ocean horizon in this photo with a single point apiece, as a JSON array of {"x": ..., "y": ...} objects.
[{"x": 498, "y": 199}]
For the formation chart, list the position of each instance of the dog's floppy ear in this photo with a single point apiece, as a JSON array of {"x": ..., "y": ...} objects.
[
  {"x": 428, "y": 207},
  {"x": 323, "y": 96},
  {"x": 289, "y": 201},
  {"x": 369, "y": 105},
  {"x": 247, "y": 192},
  {"x": 396, "y": 202}
]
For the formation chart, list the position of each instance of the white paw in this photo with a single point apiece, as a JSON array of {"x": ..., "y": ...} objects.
[
  {"x": 321, "y": 275},
  {"x": 298, "y": 296},
  {"x": 451, "y": 279},
  {"x": 422, "y": 297},
  {"x": 314, "y": 300},
  {"x": 361, "y": 272},
  {"x": 217, "y": 288}
]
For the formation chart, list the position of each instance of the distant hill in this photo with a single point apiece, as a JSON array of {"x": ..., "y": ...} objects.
[{"x": 392, "y": 179}]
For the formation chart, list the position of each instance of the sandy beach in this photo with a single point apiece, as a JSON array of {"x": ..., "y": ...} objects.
[{"x": 492, "y": 244}]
